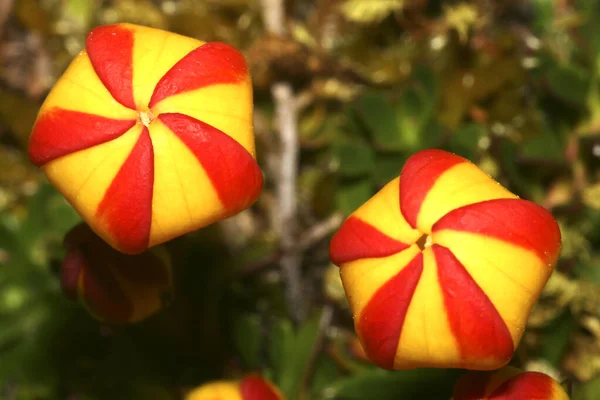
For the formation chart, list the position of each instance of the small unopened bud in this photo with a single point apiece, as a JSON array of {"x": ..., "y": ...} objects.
[
  {"x": 508, "y": 383},
  {"x": 252, "y": 387},
  {"x": 114, "y": 287}
]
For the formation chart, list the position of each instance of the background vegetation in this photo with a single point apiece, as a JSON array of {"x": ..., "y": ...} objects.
[{"x": 513, "y": 85}]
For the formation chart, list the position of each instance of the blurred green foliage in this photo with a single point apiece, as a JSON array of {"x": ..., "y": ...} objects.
[{"x": 514, "y": 86}]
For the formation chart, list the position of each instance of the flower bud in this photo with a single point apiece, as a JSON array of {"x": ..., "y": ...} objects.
[
  {"x": 443, "y": 266},
  {"x": 149, "y": 135},
  {"x": 114, "y": 287},
  {"x": 250, "y": 388},
  {"x": 508, "y": 383}
]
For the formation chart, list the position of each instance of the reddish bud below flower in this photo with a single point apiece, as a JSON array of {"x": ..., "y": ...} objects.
[
  {"x": 252, "y": 387},
  {"x": 256, "y": 388},
  {"x": 114, "y": 287},
  {"x": 508, "y": 383}
]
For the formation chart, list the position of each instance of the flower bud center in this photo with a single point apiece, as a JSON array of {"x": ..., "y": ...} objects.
[
  {"x": 424, "y": 242},
  {"x": 145, "y": 117}
]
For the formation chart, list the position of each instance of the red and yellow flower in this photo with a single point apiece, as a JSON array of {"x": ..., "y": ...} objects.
[
  {"x": 149, "y": 135},
  {"x": 250, "y": 388},
  {"x": 508, "y": 383},
  {"x": 443, "y": 266},
  {"x": 114, "y": 287}
]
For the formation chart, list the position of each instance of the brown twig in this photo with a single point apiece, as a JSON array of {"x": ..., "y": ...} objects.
[
  {"x": 287, "y": 120},
  {"x": 313, "y": 236},
  {"x": 5, "y": 8}
]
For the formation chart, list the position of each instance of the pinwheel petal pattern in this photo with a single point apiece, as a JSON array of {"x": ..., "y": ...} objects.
[
  {"x": 442, "y": 266},
  {"x": 148, "y": 135}
]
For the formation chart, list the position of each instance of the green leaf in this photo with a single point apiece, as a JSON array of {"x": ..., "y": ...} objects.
[
  {"x": 590, "y": 31},
  {"x": 416, "y": 112},
  {"x": 544, "y": 15},
  {"x": 556, "y": 338},
  {"x": 9, "y": 240},
  {"x": 465, "y": 140},
  {"x": 352, "y": 194},
  {"x": 247, "y": 339},
  {"x": 426, "y": 82},
  {"x": 325, "y": 372},
  {"x": 587, "y": 391},
  {"x": 508, "y": 155},
  {"x": 587, "y": 269},
  {"x": 410, "y": 119},
  {"x": 281, "y": 348},
  {"x": 48, "y": 219},
  {"x": 379, "y": 116},
  {"x": 569, "y": 84},
  {"x": 292, "y": 353},
  {"x": 431, "y": 135},
  {"x": 79, "y": 13},
  {"x": 61, "y": 216},
  {"x": 543, "y": 146},
  {"x": 315, "y": 130},
  {"x": 31, "y": 358},
  {"x": 401, "y": 125},
  {"x": 415, "y": 384},
  {"x": 417, "y": 107},
  {"x": 355, "y": 158},
  {"x": 387, "y": 167},
  {"x": 36, "y": 222}
]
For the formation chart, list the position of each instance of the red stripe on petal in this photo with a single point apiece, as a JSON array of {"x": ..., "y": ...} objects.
[
  {"x": 477, "y": 326},
  {"x": 110, "y": 48},
  {"x": 382, "y": 319},
  {"x": 521, "y": 222},
  {"x": 232, "y": 170},
  {"x": 357, "y": 239},
  {"x": 256, "y": 388},
  {"x": 209, "y": 64},
  {"x": 528, "y": 385},
  {"x": 103, "y": 295},
  {"x": 419, "y": 175},
  {"x": 127, "y": 204},
  {"x": 60, "y": 132}
]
